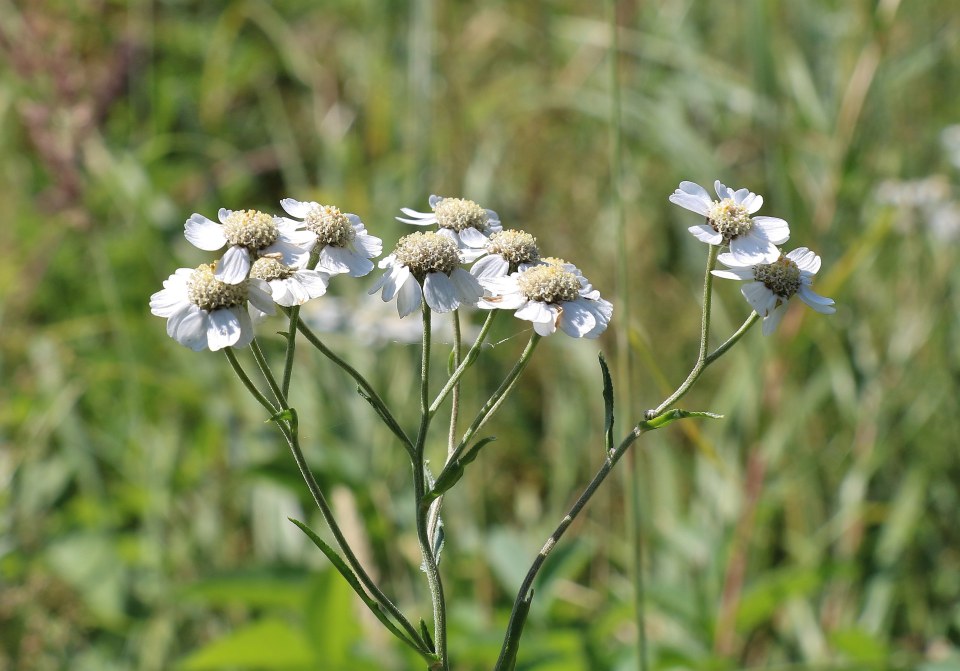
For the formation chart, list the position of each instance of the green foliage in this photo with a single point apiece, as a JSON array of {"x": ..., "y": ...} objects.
[{"x": 137, "y": 478}]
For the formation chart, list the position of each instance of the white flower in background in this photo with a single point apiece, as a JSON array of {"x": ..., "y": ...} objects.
[
  {"x": 771, "y": 285},
  {"x": 205, "y": 313},
  {"x": 459, "y": 219},
  {"x": 289, "y": 285},
  {"x": 751, "y": 239},
  {"x": 345, "y": 246},
  {"x": 507, "y": 252},
  {"x": 249, "y": 234},
  {"x": 552, "y": 294},
  {"x": 433, "y": 261}
]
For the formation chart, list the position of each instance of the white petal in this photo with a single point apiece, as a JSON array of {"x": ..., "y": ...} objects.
[
  {"x": 203, "y": 233},
  {"x": 435, "y": 200},
  {"x": 603, "y": 311},
  {"x": 752, "y": 249},
  {"x": 776, "y": 230},
  {"x": 292, "y": 255},
  {"x": 246, "y": 326},
  {"x": 772, "y": 320},
  {"x": 191, "y": 329},
  {"x": 805, "y": 259},
  {"x": 368, "y": 245},
  {"x": 490, "y": 266},
  {"x": 283, "y": 293},
  {"x": 692, "y": 197},
  {"x": 409, "y": 297},
  {"x": 260, "y": 296},
  {"x": 821, "y": 304},
  {"x": 419, "y": 222},
  {"x": 705, "y": 233},
  {"x": 223, "y": 329},
  {"x": 223, "y": 214},
  {"x": 337, "y": 260},
  {"x": 234, "y": 267},
  {"x": 473, "y": 238},
  {"x": 314, "y": 282},
  {"x": 503, "y": 302},
  {"x": 469, "y": 290},
  {"x": 731, "y": 261},
  {"x": 168, "y": 301},
  {"x": 575, "y": 319},
  {"x": 734, "y": 274},
  {"x": 303, "y": 239},
  {"x": 417, "y": 215},
  {"x": 395, "y": 279},
  {"x": 722, "y": 190},
  {"x": 752, "y": 202},
  {"x": 545, "y": 328},
  {"x": 760, "y": 298},
  {"x": 535, "y": 311},
  {"x": 440, "y": 292},
  {"x": 297, "y": 208}
]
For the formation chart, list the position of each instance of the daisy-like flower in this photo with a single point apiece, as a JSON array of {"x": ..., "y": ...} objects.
[
  {"x": 771, "y": 285},
  {"x": 289, "y": 285},
  {"x": 433, "y": 261},
  {"x": 249, "y": 234},
  {"x": 552, "y": 294},
  {"x": 205, "y": 313},
  {"x": 507, "y": 251},
  {"x": 345, "y": 246},
  {"x": 729, "y": 221},
  {"x": 459, "y": 219}
]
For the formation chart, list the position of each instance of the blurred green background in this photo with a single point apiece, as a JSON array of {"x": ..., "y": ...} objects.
[{"x": 143, "y": 500}]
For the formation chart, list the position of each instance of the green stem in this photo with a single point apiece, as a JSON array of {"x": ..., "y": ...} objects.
[
  {"x": 372, "y": 396},
  {"x": 468, "y": 361},
  {"x": 420, "y": 490},
  {"x": 290, "y": 433},
  {"x": 525, "y": 594},
  {"x": 267, "y": 374},
  {"x": 701, "y": 363},
  {"x": 291, "y": 348}
]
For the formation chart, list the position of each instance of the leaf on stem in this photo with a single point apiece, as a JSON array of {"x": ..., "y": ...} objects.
[
  {"x": 352, "y": 580},
  {"x": 425, "y": 632},
  {"x": 453, "y": 471},
  {"x": 286, "y": 415},
  {"x": 607, "y": 404},
  {"x": 671, "y": 416}
]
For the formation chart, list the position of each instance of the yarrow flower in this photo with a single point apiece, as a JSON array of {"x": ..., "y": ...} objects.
[
  {"x": 459, "y": 219},
  {"x": 433, "y": 261},
  {"x": 751, "y": 239},
  {"x": 289, "y": 285},
  {"x": 345, "y": 245},
  {"x": 249, "y": 234},
  {"x": 771, "y": 285},
  {"x": 552, "y": 294},
  {"x": 507, "y": 251},
  {"x": 205, "y": 313}
]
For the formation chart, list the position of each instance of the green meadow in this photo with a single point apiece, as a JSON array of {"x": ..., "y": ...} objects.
[{"x": 144, "y": 496}]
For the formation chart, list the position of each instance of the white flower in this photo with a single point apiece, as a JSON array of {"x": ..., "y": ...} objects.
[
  {"x": 248, "y": 233},
  {"x": 204, "y": 313},
  {"x": 345, "y": 245},
  {"x": 289, "y": 285},
  {"x": 433, "y": 261},
  {"x": 461, "y": 220},
  {"x": 507, "y": 251},
  {"x": 751, "y": 239},
  {"x": 771, "y": 285},
  {"x": 551, "y": 294}
]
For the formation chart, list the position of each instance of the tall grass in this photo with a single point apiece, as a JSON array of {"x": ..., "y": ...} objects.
[{"x": 143, "y": 500}]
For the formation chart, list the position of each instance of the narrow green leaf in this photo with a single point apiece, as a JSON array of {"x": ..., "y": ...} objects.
[
  {"x": 352, "y": 580},
  {"x": 671, "y": 416},
  {"x": 425, "y": 632},
  {"x": 607, "y": 404},
  {"x": 453, "y": 471},
  {"x": 287, "y": 415}
]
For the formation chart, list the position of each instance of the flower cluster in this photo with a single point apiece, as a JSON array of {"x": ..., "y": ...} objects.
[
  {"x": 772, "y": 276},
  {"x": 268, "y": 260}
]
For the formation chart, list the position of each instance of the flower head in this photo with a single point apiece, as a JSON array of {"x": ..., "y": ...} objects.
[
  {"x": 507, "y": 251},
  {"x": 204, "y": 312},
  {"x": 249, "y": 234},
  {"x": 551, "y": 294},
  {"x": 345, "y": 246},
  {"x": 427, "y": 266},
  {"x": 289, "y": 285},
  {"x": 771, "y": 285},
  {"x": 459, "y": 219},
  {"x": 729, "y": 221}
]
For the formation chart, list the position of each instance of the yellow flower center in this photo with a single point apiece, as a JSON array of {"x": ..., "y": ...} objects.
[
  {"x": 208, "y": 293},
  {"x": 459, "y": 214},
  {"x": 782, "y": 277},
  {"x": 331, "y": 226},
  {"x": 515, "y": 246},
  {"x": 268, "y": 268},
  {"x": 729, "y": 219},
  {"x": 250, "y": 229},
  {"x": 427, "y": 252},
  {"x": 549, "y": 284}
]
